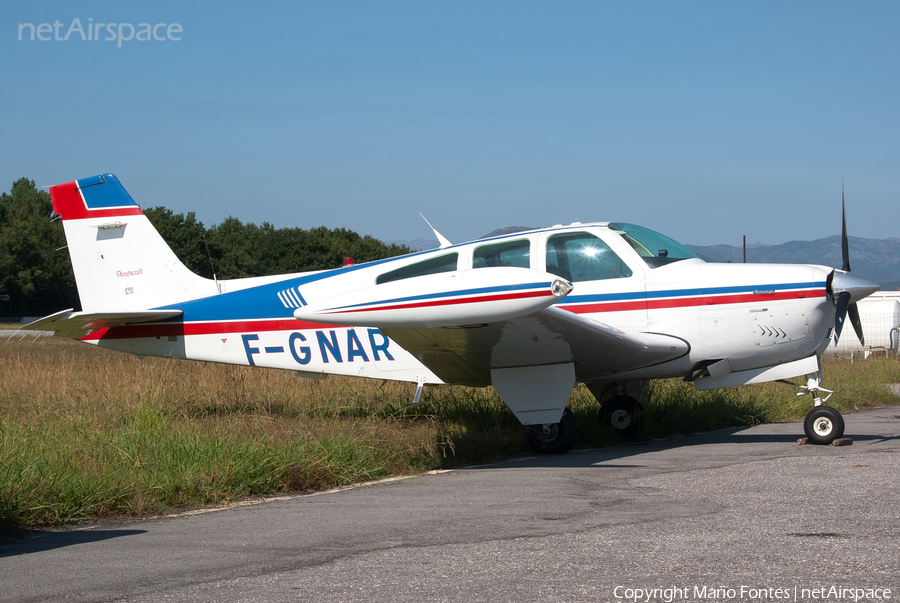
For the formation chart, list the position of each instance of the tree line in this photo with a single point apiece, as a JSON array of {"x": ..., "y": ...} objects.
[{"x": 36, "y": 274}]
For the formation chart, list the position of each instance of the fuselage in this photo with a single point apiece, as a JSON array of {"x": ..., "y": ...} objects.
[{"x": 753, "y": 315}]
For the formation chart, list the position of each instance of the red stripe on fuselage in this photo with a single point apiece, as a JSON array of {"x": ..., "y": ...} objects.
[
  {"x": 688, "y": 302},
  {"x": 202, "y": 328}
]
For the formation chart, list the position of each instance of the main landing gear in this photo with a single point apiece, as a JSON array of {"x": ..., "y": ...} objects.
[
  {"x": 553, "y": 438},
  {"x": 623, "y": 413},
  {"x": 620, "y": 405},
  {"x": 823, "y": 424}
]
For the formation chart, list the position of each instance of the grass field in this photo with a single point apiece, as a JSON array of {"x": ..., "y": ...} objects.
[{"x": 86, "y": 432}]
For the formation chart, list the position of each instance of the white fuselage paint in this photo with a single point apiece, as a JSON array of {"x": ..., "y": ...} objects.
[{"x": 754, "y": 315}]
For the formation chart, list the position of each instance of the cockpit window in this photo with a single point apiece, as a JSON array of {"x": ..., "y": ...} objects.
[
  {"x": 443, "y": 263},
  {"x": 581, "y": 256},
  {"x": 507, "y": 253},
  {"x": 656, "y": 249}
]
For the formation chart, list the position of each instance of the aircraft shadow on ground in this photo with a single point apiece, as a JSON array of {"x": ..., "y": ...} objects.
[
  {"x": 35, "y": 541},
  {"x": 736, "y": 435}
]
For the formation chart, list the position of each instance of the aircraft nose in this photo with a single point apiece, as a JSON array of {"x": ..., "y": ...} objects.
[{"x": 857, "y": 286}]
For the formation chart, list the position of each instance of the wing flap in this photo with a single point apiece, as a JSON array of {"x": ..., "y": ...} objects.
[
  {"x": 551, "y": 336},
  {"x": 78, "y": 324}
]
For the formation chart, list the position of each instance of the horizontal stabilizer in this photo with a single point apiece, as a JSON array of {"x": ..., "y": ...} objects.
[{"x": 78, "y": 324}]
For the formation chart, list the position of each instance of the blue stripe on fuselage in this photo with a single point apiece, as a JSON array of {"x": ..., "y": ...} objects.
[{"x": 260, "y": 302}]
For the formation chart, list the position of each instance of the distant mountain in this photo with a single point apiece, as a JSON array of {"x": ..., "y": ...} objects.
[
  {"x": 507, "y": 230},
  {"x": 875, "y": 259},
  {"x": 423, "y": 244}
]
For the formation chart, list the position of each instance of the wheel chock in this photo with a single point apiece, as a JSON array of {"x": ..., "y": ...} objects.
[{"x": 837, "y": 442}]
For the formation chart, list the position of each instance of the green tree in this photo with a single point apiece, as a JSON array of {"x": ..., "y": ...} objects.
[
  {"x": 232, "y": 249},
  {"x": 240, "y": 250},
  {"x": 36, "y": 273},
  {"x": 35, "y": 270}
]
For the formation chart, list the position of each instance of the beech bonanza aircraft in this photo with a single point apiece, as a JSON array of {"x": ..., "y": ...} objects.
[{"x": 610, "y": 305}]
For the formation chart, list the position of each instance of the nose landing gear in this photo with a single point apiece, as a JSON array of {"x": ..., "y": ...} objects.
[{"x": 823, "y": 424}]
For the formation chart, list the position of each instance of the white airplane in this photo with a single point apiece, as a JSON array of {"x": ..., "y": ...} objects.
[{"x": 610, "y": 305}]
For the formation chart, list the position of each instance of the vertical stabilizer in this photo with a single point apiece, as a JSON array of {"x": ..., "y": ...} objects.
[{"x": 120, "y": 261}]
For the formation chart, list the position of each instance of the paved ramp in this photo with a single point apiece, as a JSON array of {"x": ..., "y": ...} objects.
[{"x": 741, "y": 508}]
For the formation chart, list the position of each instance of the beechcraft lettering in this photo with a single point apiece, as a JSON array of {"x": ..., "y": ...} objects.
[
  {"x": 325, "y": 346},
  {"x": 533, "y": 314}
]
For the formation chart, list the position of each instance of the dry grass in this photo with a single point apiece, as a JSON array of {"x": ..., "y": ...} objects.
[{"x": 87, "y": 432}]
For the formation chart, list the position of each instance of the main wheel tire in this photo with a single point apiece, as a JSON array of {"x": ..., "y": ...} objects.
[
  {"x": 622, "y": 413},
  {"x": 823, "y": 425},
  {"x": 553, "y": 438}
]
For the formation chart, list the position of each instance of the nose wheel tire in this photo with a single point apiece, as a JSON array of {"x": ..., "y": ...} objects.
[
  {"x": 823, "y": 425},
  {"x": 623, "y": 413},
  {"x": 553, "y": 438}
]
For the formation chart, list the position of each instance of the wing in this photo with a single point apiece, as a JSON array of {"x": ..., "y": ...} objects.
[
  {"x": 466, "y": 355},
  {"x": 464, "y": 324},
  {"x": 78, "y": 324}
]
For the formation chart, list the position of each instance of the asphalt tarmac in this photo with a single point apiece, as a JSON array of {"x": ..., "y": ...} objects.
[{"x": 741, "y": 514}]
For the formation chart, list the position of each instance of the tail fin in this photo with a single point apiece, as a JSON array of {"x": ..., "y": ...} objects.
[{"x": 120, "y": 261}]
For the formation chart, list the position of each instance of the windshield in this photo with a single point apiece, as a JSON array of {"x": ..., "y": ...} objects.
[{"x": 656, "y": 249}]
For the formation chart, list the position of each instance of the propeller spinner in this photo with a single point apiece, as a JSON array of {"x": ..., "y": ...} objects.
[{"x": 846, "y": 289}]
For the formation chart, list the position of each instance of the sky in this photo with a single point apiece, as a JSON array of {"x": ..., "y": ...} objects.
[{"x": 706, "y": 121}]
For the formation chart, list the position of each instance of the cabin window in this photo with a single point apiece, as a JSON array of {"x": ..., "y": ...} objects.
[
  {"x": 581, "y": 256},
  {"x": 443, "y": 263},
  {"x": 507, "y": 253},
  {"x": 654, "y": 248}
]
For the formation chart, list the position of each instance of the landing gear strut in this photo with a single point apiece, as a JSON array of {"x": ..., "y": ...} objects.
[
  {"x": 823, "y": 424},
  {"x": 553, "y": 438}
]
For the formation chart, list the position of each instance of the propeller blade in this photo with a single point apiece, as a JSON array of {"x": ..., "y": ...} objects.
[
  {"x": 846, "y": 288},
  {"x": 843, "y": 303},
  {"x": 853, "y": 312},
  {"x": 845, "y": 243}
]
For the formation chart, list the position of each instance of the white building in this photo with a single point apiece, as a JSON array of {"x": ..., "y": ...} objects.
[{"x": 880, "y": 317}]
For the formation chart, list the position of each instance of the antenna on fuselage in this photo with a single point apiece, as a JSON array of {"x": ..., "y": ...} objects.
[
  {"x": 443, "y": 242},
  {"x": 211, "y": 267}
]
